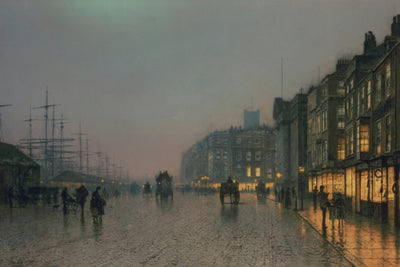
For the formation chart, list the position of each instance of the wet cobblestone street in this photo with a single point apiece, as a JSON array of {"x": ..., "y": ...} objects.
[{"x": 190, "y": 231}]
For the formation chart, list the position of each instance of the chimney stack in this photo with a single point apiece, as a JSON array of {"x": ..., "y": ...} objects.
[
  {"x": 370, "y": 42},
  {"x": 396, "y": 26}
]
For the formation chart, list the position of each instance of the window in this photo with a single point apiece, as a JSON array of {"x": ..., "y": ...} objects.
[
  {"x": 351, "y": 111},
  {"x": 325, "y": 151},
  {"x": 362, "y": 97},
  {"x": 226, "y": 171},
  {"x": 258, "y": 141},
  {"x": 258, "y": 172},
  {"x": 364, "y": 138},
  {"x": 351, "y": 141},
  {"x": 258, "y": 155},
  {"x": 238, "y": 141},
  {"x": 239, "y": 156},
  {"x": 369, "y": 94},
  {"x": 217, "y": 154},
  {"x": 324, "y": 120},
  {"x": 248, "y": 171},
  {"x": 225, "y": 154},
  {"x": 225, "y": 141},
  {"x": 378, "y": 137},
  {"x": 248, "y": 156},
  {"x": 388, "y": 134},
  {"x": 358, "y": 139},
  {"x": 340, "y": 149},
  {"x": 388, "y": 81},
  {"x": 340, "y": 88},
  {"x": 357, "y": 104},
  {"x": 378, "y": 88},
  {"x": 340, "y": 116},
  {"x": 238, "y": 171}
]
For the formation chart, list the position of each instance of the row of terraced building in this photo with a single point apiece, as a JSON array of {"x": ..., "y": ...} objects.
[{"x": 343, "y": 133}]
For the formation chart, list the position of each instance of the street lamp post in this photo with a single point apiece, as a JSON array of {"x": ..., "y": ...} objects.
[{"x": 301, "y": 186}]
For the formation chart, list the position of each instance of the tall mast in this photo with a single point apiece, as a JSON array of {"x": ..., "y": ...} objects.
[
  {"x": 46, "y": 140},
  {"x": 282, "y": 77},
  {"x": 87, "y": 156},
  {"x": 80, "y": 148}
]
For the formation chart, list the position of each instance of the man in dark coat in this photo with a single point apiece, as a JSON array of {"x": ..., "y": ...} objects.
[{"x": 81, "y": 196}]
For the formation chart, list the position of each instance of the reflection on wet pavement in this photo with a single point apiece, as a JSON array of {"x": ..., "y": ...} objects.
[{"x": 190, "y": 230}]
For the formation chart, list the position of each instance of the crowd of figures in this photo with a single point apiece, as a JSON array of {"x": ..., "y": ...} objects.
[
  {"x": 47, "y": 195},
  {"x": 97, "y": 201},
  {"x": 335, "y": 205},
  {"x": 287, "y": 196}
]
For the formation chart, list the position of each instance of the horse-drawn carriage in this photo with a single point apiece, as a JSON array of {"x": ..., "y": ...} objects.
[
  {"x": 147, "y": 189},
  {"x": 164, "y": 186},
  {"x": 260, "y": 190},
  {"x": 231, "y": 189}
]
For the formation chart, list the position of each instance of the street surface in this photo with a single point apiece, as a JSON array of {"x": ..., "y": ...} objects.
[{"x": 190, "y": 231}]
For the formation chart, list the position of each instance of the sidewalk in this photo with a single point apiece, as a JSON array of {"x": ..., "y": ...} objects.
[{"x": 362, "y": 240}]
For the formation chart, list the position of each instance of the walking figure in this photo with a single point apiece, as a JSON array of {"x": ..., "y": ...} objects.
[
  {"x": 97, "y": 204},
  {"x": 64, "y": 198},
  {"x": 315, "y": 194},
  {"x": 294, "y": 196},
  {"x": 340, "y": 209},
  {"x": 81, "y": 196},
  {"x": 323, "y": 204},
  {"x": 288, "y": 200}
]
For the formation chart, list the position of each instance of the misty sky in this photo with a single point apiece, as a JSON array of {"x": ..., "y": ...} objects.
[{"x": 149, "y": 78}]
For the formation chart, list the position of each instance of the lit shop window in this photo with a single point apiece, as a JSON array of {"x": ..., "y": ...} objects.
[
  {"x": 248, "y": 171},
  {"x": 258, "y": 172}
]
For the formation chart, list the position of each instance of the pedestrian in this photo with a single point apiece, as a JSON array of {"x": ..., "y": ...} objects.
[
  {"x": 64, "y": 198},
  {"x": 332, "y": 212},
  {"x": 323, "y": 204},
  {"x": 340, "y": 209},
  {"x": 315, "y": 194},
  {"x": 282, "y": 195},
  {"x": 81, "y": 196},
  {"x": 288, "y": 200},
  {"x": 294, "y": 196},
  {"x": 97, "y": 204}
]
